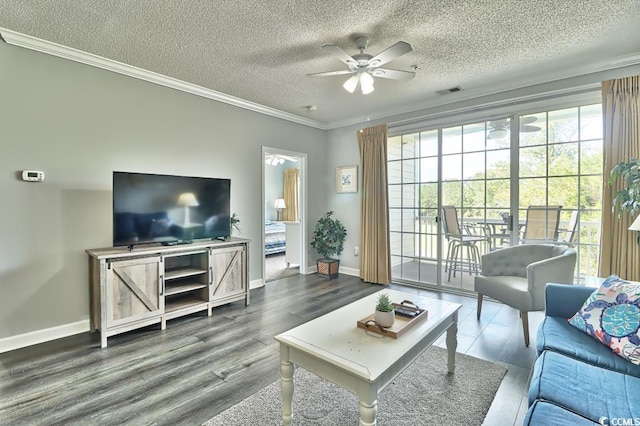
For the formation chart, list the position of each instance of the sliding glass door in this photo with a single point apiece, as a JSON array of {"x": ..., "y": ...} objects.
[
  {"x": 458, "y": 192},
  {"x": 413, "y": 206},
  {"x": 476, "y": 189},
  {"x": 561, "y": 167}
]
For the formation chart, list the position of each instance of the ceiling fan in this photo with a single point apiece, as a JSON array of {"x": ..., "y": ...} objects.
[
  {"x": 499, "y": 129},
  {"x": 364, "y": 66},
  {"x": 277, "y": 159}
]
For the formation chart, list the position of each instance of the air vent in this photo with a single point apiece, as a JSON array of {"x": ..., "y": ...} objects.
[{"x": 447, "y": 91}]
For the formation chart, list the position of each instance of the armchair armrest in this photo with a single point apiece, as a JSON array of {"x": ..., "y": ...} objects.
[{"x": 563, "y": 301}]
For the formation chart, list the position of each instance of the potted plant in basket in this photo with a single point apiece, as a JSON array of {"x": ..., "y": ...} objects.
[
  {"x": 385, "y": 314},
  {"x": 328, "y": 240}
]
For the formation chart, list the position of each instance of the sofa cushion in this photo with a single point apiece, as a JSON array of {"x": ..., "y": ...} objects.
[
  {"x": 585, "y": 389},
  {"x": 612, "y": 316},
  {"x": 557, "y": 335},
  {"x": 549, "y": 414}
]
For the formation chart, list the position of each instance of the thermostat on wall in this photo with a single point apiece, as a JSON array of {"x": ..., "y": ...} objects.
[{"x": 32, "y": 175}]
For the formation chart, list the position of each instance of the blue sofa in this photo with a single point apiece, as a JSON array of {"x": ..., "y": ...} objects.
[{"x": 577, "y": 380}]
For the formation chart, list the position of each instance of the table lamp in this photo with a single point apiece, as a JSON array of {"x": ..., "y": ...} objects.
[
  {"x": 278, "y": 204},
  {"x": 635, "y": 226}
]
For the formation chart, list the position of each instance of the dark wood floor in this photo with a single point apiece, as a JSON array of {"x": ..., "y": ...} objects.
[{"x": 202, "y": 365}]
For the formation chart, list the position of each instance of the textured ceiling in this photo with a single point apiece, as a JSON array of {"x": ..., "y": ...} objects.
[{"x": 261, "y": 51}]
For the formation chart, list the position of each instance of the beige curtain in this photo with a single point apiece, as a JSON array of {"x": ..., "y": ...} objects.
[
  {"x": 291, "y": 212},
  {"x": 375, "y": 258},
  {"x": 619, "y": 251}
]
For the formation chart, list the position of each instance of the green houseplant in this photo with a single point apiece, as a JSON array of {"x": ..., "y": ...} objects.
[
  {"x": 384, "y": 314},
  {"x": 627, "y": 200},
  {"x": 235, "y": 223},
  {"x": 328, "y": 240}
]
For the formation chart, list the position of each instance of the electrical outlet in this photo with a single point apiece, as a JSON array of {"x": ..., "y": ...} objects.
[{"x": 356, "y": 251}]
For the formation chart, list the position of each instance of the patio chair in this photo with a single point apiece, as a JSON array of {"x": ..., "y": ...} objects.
[
  {"x": 459, "y": 239},
  {"x": 542, "y": 225},
  {"x": 567, "y": 236}
]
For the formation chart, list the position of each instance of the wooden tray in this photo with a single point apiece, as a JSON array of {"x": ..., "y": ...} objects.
[{"x": 400, "y": 325}]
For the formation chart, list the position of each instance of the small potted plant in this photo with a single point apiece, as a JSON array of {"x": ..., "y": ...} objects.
[
  {"x": 328, "y": 240},
  {"x": 385, "y": 314},
  {"x": 235, "y": 223}
]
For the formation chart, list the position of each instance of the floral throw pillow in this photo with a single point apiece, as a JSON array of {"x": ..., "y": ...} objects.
[{"x": 612, "y": 315}]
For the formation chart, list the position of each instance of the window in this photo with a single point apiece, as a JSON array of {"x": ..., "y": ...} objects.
[{"x": 469, "y": 166}]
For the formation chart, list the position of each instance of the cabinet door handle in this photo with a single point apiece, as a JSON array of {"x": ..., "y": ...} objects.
[
  {"x": 210, "y": 275},
  {"x": 161, "y": 285}
]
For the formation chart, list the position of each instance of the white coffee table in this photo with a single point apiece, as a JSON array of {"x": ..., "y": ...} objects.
[{"x": 358, "y": 360}]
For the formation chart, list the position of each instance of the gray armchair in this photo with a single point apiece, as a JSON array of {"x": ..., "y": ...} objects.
[{"x": 517, "y": 276}]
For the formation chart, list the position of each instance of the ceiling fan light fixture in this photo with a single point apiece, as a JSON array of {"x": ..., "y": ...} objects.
[
  {"x": 366, "y": 83},
  {"x": 350, "y": 85},
  {"x": 498, "y": 133}
]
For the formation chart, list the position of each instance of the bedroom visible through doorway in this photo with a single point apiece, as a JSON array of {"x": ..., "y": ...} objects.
[{"x": 283, "y": 197}]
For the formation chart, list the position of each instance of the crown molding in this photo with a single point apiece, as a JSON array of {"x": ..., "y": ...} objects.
[{"x": 50, "y": 48}]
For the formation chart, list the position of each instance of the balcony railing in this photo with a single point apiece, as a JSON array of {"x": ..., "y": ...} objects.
[{"x": 421, "y": 243}]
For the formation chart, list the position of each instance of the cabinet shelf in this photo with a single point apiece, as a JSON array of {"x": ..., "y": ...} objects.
[
  {"x": 182, "y": 303},
  {"x": 183, "y": 272},
  {"x": 182, "y": 287}
]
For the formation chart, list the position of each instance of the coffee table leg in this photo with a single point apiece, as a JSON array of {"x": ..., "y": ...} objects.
[
  {"x": 368, "y": 413},
  {"x": 452, "y": 344},
  {"x": 286, "y": 384}
]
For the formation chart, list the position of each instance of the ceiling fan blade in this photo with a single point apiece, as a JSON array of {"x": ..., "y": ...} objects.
[
  {"x": 527, "y": 120},
  {"x": 330, "y": 73},
  {"x": 398, "y": 49},
  {"x": 393, "y": 74},
  {"x": 528, "y": 129},
  {"x": 339, "y": 54}
]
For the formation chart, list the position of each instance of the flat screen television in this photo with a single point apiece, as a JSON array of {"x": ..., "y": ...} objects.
[{"x": 153, "y": 208}]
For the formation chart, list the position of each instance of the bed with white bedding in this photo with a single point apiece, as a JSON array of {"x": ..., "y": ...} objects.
[{"x": 274, "y": 237}]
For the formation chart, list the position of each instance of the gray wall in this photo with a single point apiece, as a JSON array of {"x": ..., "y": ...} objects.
[{"x": 78, "y": 124}]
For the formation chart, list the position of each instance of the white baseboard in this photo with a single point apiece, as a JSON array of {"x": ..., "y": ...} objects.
[
  {"x": 350, "y": 271},
  {"x": 40, "y": 336},
  {"x": 256, "y": 283},
  {"x": 347, "y": 271}
]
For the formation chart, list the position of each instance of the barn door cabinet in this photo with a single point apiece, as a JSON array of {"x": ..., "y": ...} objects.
[{"x": 153, "y": 284}]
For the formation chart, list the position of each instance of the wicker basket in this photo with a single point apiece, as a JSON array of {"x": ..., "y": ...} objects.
[{"x": 328, "y": 268}]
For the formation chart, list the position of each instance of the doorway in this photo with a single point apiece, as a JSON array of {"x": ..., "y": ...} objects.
[{"x": 284, "y": 213}]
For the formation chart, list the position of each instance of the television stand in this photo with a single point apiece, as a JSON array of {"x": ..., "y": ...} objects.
[{"x": 154, "y": 284}]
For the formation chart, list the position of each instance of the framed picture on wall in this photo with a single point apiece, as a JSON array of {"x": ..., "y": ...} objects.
[{"x": 347, "y": 179}]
